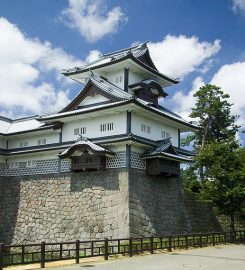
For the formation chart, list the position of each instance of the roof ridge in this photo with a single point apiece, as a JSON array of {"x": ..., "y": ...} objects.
[
  {"x": 6, "y": 119},
  {"x": 126, "y": 49}
]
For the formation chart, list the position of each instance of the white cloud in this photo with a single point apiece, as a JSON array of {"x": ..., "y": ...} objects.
[
  {"x": 90, "y": 18},
  {"x": 232, "y": 80},
  {"x": 178, "y": 56},
  {"x": 25, "y": 63},
  {"x": 238, "y": 5},
  {"x": 184, "y": 102}
]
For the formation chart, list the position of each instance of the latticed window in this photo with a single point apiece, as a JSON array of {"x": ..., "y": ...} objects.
[
  {"x": 110, "y": 126},
  {"x": 106, "y": 127},
  {"x": 165, "y": 135},
  {"x": 118, "y": 79},
  {"x": 76, "y": 131},
  {"x": 14, "y": 165},
  {"x": 145, "y": 128},
  {"x": 31, "y": 163},
  {"x": 23, "y": 144},
  {"x": 83, "y": 130},
  {"x": 41, "y": 141}
]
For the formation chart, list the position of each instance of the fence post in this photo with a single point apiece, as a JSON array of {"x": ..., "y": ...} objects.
[
  {"x": 213, "y": 239},
  {"x": 130, "y": 247},
  {"x": 225, "y": 237},
  {"x": 151, "y": 244},
  {"x": 170, "y": 243},
  {"x": 106, "y": 249},
  {"x": 200, "y": 240},
  {"x": 1, "y": 255},
  {"x": 186, "y": 241},
  {"x": 77, "y": 251},
  {"x": 42, "y": 255},
  {"x": 244, "y": 235},
  {"x": 23, "y": 254}
]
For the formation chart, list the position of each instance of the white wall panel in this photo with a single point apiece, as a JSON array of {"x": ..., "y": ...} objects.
[
  {"x": 93, "y": 126},
  {"x": 14, "y": 142},
  {"x": 156, "y": 128}
]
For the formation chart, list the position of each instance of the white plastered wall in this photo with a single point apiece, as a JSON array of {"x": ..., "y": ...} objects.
[
  {"x": 156, "y": 128},
  {"x": 3, "y": 143},
  {"x": 32, "y": 139},
  {"x": 93, "y": 100},
  {"x": 93, "y": 126},
  {"x": 34, "y": 156},
  {"x": 112, "y": 78},
  {"x": 134, "y": 77}
]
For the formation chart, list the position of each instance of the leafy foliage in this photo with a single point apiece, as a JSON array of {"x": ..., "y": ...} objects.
[
  {"x": 225, "y": 172},
  {"x": 218, "y": 171}
]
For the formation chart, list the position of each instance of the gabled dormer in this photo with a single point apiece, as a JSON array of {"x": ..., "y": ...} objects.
[
  {"x": 97, "y": 91},
  {"x": 148, "y": 90}
]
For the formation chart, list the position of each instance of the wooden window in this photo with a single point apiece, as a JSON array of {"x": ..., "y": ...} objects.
[
  {"x": 165, "y": 135},
  {"x": 83, "y": 130},
  {"x": 31, "y": 163},
  {"x": 106, "y": 127},
  {"x": 103, "y": 127},
  {"x": 41, "y": 142},
  {"x": 23, "y": 144},
  {"x": 145, "y": 128},
  {"x": 76, "y": 131},
  {"x": 118, "y": 79},
  {"x": 14, "y": 165},
  {"x": 110, "y": 126}
]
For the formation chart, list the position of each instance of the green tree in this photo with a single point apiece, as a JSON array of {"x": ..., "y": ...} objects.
[
  {"x": 225, "y": 169},
  {"x": 213, "y": 111}
]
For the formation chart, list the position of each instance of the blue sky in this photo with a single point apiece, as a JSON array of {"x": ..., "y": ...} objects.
[{"x": 197, "y": 41}]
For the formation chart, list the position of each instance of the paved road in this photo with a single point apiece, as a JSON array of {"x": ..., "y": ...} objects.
[{"x": 211, "y": 258}]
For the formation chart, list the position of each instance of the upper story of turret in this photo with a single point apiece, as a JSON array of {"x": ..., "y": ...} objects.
[{"x": 131, "y": 70}]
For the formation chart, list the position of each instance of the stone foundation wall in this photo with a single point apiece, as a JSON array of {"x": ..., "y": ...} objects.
[
  {"x": 159, "y": 206},
  {"x": 65, "y": 207},
  {"x": 113, "y": 203}
]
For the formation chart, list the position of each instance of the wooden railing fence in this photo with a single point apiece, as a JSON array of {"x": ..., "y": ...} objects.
[{"x": 48, "y": 252}]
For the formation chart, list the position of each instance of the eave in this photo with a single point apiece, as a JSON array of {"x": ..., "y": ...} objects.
[
  {"x": 126, "y": 57},
  {"x": 53, "y": 126},
  {"x": 99, "y": 140},
  {"x": 114, "y": 105}
]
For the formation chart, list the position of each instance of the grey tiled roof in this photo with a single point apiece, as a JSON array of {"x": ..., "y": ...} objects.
[
  {"x": 82, "y": 110},
  {"x": 165, "y": 149},
  {"x": 136, "y": 51},
  {"x": 84, "y": 142},
  {"x": 110, "y": 88}
]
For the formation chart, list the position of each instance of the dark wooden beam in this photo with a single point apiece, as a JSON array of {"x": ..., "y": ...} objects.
[
  {"x": 129, "y": 122},
  {"x": 178, "y": 137},
  {"x": 126, "y": 73},
  {"x": 128, "y": 155}
]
